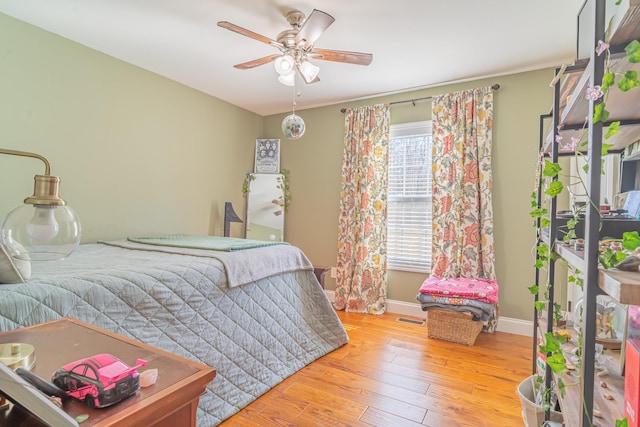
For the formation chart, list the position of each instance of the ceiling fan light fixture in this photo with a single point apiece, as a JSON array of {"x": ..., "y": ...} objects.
[
  {"x": 287, "y": 79},
  {"x": 309, "y": 71},
  {"x": 284, "y": 64}
]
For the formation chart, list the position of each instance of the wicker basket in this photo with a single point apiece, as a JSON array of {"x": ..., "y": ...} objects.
[{"x": 454, "y": 326}]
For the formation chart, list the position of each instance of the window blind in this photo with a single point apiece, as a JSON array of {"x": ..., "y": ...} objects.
[{"x": 409, "y": 197}]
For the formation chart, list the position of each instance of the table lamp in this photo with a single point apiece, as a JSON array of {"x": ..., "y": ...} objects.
[{"x": 43, "y": 228}]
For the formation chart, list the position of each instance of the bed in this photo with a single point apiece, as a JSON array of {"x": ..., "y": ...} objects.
[{"x": 257, "y": 315}]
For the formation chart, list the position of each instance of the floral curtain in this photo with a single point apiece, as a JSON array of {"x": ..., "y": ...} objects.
[
  {"x": 361, "y": 283},
  {"x": 462, "y": 204}
]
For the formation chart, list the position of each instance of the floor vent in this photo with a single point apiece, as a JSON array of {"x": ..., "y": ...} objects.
[{"x": 412, "y": 321}]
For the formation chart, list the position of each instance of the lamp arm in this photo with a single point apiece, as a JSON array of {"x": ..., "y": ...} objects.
[
  {"x": 47, "y": 167},
  {"x": 45, "y": 190}
]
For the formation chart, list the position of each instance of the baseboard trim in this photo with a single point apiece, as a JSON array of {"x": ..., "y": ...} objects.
[{"x": 505, "y": 324}]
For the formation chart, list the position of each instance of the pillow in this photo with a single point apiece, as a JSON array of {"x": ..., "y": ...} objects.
[{"x": 13, "y": 270}]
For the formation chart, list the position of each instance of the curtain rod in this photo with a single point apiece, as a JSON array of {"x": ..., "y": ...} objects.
[{"x": 495, "y": 86}]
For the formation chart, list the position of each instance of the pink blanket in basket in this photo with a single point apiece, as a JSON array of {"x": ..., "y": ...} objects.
[{"x": 477, "y": 289}]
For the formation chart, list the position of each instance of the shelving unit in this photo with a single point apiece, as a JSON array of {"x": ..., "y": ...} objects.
[
  {"x": 571, "y": 401},
  {"x": 571, "y": 109},
  {"x": 622, "y": 286}
]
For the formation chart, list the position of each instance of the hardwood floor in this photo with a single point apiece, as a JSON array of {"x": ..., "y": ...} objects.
[{"x": 391, "y": 374}]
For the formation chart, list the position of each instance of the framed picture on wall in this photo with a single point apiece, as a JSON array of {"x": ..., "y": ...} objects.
[{"x": 267, "y": 156}]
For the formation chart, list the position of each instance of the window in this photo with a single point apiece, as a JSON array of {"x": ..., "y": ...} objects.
[{"x": 409, "y": 197}]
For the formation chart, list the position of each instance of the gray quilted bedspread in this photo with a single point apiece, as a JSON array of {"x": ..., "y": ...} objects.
[{"x": 255, "y": 335}]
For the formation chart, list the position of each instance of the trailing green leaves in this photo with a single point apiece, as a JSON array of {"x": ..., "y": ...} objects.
[
  {"x": 608, "y": 80},
  {"x": 609, "y": 258},
  {"x": 555, "y": 188},
  {"x": 612, "y": 130},
  {"x": 630, "y": 240},
  {"x": 628, "y": 81},
  {"x": 576, "y": 278},
  {"x": 561, "y": 386},
  {"x": 633, "y": 52},
  {"x": 555, "y": 359},
  {"x": 551, "y": 169},
  {"x": 622, "y": 423},
  {"x": 600, "y": 113},
  {"x": 543, "y": 255}
]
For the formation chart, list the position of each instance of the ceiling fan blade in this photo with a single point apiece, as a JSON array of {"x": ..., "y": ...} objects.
[
  {"x": 312, "y": 28},
  {"x": 248, "y": 33},
  {"x": 256, "y": 62},
  {"x": 358, "y": 58}
]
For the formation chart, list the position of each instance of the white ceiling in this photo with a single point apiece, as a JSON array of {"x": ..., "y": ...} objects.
[{"x": 415, "y": 43}]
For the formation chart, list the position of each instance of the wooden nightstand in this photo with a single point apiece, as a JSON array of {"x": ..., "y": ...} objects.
[{"x": 172, "y": 401}]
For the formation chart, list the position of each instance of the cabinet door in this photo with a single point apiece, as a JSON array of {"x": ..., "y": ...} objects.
[{"x": 265, "y": 208}]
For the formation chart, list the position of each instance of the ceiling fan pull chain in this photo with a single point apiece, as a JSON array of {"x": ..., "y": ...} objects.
[{"x": 295, "y": 78}]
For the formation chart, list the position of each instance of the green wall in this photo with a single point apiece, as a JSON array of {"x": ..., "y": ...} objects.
[
  {"x": 136, "y": 153},
  {"x": 140, "y": 154}
]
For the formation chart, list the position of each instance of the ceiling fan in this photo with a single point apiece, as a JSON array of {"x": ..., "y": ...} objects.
[{"x": 296, "y": 47}]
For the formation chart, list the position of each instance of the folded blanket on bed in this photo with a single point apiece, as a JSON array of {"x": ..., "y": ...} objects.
[
  {"x": 215, "y": 243},
  {"x": 243, "y": 266}
]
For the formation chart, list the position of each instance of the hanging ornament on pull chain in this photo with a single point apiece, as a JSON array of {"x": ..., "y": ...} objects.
[{"x": 293, "y": 126}]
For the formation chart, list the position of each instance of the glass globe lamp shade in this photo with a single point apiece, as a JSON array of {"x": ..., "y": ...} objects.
[
  {"x": 40, "y": 232},
  {"x": 293, "y": 126},
  {"x": 284, "y": 64}
]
